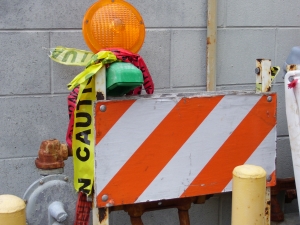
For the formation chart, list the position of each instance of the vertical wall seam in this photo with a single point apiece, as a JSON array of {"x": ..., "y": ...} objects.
[
  {"x": 275, "y": 52},
  {"x": 50, "y": 67},
  {"x": 225, "y": 14},
  {"x": 170, "y": 60}
]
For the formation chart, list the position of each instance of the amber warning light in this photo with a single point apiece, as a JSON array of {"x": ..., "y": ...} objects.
[{"x": 113, "y": 24}]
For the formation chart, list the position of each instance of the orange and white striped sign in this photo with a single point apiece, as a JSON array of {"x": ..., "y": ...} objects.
[{"x": 173, "y": 146}]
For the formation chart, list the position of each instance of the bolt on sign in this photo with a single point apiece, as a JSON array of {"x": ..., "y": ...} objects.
[{"x": 180, "y": 145}]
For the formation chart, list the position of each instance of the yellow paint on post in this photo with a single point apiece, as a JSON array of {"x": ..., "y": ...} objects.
[
  {"x": 12, "y": 210},
  {"x": 248, "y": 195}
]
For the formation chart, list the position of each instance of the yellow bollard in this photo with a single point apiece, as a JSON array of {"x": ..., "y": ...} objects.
[
  {"x": 248, "y": 195},
  {"x": 12, "y": 210}
]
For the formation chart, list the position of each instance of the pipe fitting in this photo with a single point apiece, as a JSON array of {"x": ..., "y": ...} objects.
[
  {"x": 57, "y": 212},
  {"x": 51, "y": 155}
]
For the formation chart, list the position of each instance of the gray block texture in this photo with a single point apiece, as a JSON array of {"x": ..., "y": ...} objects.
[
  {"x": 32, "y": 14},
  {"x": 63, "y": 74},
  {"x": 265, "y": 13},
  {"x": 25, "y": 66},
  {"x": 29, "y": 120}
]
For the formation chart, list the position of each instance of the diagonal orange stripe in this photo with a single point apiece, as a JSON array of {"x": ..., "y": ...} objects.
[
  {"x": 272, "y": 182},
  {"x": 106, "y": 120},
  {"x": 236, "y": 150},
  {"x": 156, "y": 151}
]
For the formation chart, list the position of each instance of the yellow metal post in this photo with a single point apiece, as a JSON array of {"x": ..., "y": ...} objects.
[
  {"x": 12, "y": 210},
  {"x": 248, "y": 195}
]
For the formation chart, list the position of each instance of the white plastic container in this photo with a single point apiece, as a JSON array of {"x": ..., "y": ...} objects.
[{"x": 292, "y": 101}]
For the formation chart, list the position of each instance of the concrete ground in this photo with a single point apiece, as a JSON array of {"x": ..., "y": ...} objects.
[{"x": 289, "y": 219}]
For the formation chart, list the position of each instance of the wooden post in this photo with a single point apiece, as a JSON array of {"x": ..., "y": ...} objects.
[{"x": 100, "y": 216}]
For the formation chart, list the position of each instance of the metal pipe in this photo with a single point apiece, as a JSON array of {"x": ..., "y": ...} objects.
[
  {"x": 57, "y": 211},
  {"x": 248, "y": 195},
  {"x": 211, "y": 47}
]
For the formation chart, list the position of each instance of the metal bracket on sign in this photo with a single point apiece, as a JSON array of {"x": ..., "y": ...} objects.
[{"x": 265, "y": 74}]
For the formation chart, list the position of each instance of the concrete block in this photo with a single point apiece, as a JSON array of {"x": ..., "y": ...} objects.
[
  {"x": 27, "y": 121},
  {"x": 287, "y": 13},
  {"x": 251, "y": 13},
  {"x": 69, "y": 14},
  {"x": 225, "y": 208},
  {"x": 172, "y": 13},
  {"x": 161, "y": 217},
  {"x": 119, "y": 218},
  {"x": 237, "y": 50},
  {"x": 207, "y": 213},
  {"x": 284, "y": 166},
  {"x": 156, "y": 54},
  {"x": 188, "y": 58},
  {"x": 24, "y": 64},
  {"x": 37, "y": 14},
  {"x": 286, "y": 39},
  {"x": 63, "y": 74},
  {"x": 262, "y": 13},
  {"x": 16, "y": 175},
  {"x": 284, "y": 169},
  {"x": 282, "y": 128}
]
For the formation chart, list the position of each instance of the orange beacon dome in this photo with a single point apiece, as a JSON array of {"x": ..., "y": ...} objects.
[{"x": 113, "y": 24}]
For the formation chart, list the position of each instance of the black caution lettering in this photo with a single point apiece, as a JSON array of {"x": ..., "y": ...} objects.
[
  {"x": 86, "y": 116},
  {"x": 85, "y": 135},
  {"x": 85, "y": 183},
  {"x": 83, "y": 102},
  {"x": 87, "y": 90},
  {"x": 83, "y": 158}
]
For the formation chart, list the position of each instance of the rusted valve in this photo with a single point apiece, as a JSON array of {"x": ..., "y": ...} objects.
[{"x": 51, "y": 155}]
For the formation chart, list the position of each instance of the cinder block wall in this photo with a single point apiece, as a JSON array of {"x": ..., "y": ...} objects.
[{"x": 33, "y": 89}]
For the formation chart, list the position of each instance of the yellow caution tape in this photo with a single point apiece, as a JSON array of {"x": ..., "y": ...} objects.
[
  {"x": 83, "y": 137},
  {"x": 95, "y": 64},
  {"x": 83, "y": 141},
  {"x": 70, "y": 56}
]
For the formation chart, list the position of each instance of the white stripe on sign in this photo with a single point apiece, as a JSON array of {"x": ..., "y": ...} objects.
[
  {"x": 190, "y": 160},
  {"x": 127, "y": 135}
]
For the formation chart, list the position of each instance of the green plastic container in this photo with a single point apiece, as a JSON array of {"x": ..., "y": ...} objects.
[{"x": 121, "y": 78}]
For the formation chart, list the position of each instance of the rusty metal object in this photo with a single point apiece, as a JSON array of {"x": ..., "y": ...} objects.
[
  {"x": 51, "y": 155},
  {"x": 135, "y": 211},
  {"x": 103, "y": 216},
  {"x": 292, "y": 67},
  {"x": 183, "y": 211},
  {"x": 263, "y": 75},
  {"x": 289, "y": 187},
  {"x": 100, "y": 82},
  {"x": 268, "y": 206},
  {"x": 290, "y": 195}
]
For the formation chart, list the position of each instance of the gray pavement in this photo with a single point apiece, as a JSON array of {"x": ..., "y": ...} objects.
[{"x": 289, "y": 219}]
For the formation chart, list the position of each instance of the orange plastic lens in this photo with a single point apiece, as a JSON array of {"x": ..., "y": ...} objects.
[{"x": 113, "y": 23}]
